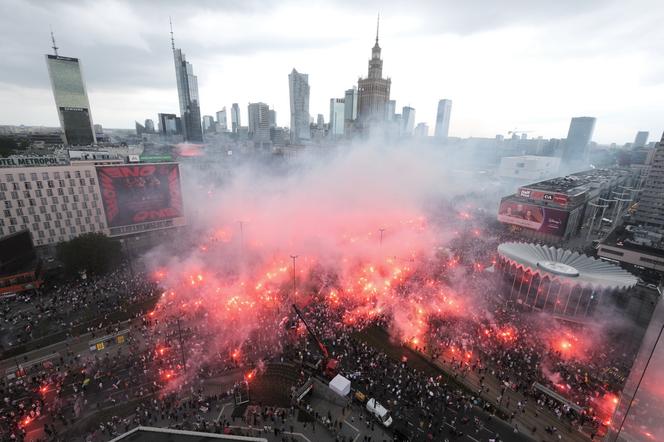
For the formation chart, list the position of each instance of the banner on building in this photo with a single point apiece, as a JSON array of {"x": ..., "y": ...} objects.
[
  {"x": 530, "y": 216},
  {"x": 141, "y": 193}
]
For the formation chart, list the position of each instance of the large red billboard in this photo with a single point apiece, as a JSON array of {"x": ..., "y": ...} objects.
[
  {"x": 141, "y": 193},
  {"x": 541, "y": 219}
]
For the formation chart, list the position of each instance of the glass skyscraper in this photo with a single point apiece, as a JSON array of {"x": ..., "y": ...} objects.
[
  {"x": 190, "y": 111},
  {"x": 298, "y": 85},
  {"x": 71, "y": 100}
]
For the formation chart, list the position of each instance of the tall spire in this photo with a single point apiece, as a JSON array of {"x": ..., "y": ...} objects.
[
  {"x": 55, "y": 48},
  {"x": 172, "y": 38},
  {"x": 377, "y": 27}
]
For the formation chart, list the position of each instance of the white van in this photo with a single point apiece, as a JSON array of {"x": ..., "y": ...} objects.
[{"x": 379, "y": 412}]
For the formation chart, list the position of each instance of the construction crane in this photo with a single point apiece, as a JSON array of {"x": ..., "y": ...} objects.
[{"x": 330, "y": 365}]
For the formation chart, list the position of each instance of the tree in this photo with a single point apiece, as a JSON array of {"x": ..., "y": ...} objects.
[{"x": 93, "y": 253}]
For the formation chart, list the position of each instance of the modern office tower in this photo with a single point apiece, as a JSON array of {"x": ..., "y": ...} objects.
[
  {"x": 320, "y": 121},
  {"x": 273, "y": 118},
  {"x": 373, "y": 92},
  {"x": 443, "y": 119},
  {"x": 407, "y": 120},
  {"x": 337, "y": 111},
  {"x": 187, "y": 82},
  {"x": 208, "y": 123},
  {"x": 650, "y": 212},
  {"x": 641, "y": 139},
  {"x": 149, "y": 126},
  {"x": 235, "y": 118},
  {"x": 71, "y": 98},
  {"x": 421, "y": 130},
  {"x": 391, "y": 109},
  {"x": 259, "y": 123},
  {"x": 168, "y": 124},
  {"x": 221, "y": 120},
  {"x": 140, "y": 129},
  {"x": 578, "y": 139},
  {"x": 298, "y": 86}
]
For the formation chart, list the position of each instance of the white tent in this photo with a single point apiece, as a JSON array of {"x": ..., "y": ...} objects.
[{"x": 340, "y": 385}]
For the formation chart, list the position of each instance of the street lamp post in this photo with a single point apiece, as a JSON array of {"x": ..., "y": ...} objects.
[
  {"x": 381, "y": 230},
  {"x": 294, "y": 257}
]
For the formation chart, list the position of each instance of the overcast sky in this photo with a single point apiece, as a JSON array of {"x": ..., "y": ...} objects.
[{"x": 506, "y": 64}]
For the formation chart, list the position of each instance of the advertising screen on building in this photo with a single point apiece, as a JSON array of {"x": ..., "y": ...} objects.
[
  {"x": 141, "y": 193},
  {"x": 530, "y": 216}
]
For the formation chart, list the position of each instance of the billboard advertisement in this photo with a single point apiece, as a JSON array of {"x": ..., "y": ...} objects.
[
  {"x": 538, "y": 195},
  {"x": 530, "y": 216},
  {"x": 140, "y": 193}
]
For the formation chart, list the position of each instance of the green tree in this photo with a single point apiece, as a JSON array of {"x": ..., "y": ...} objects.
[{"x": 94, "y": 253}]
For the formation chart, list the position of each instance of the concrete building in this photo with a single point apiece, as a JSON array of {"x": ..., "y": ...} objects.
[
  {"x": 337, "y": 111},
  {"x": 373, "y": 93},
  {"x": 56, "y": 203},
  {"x": 259, "y": 123},
  {"x": 634, "y": 245},
  {"x": 208, "y": 123},
  {"x": 650, "y": 212},
  {"x": 577, "y": 144},
  {"x": 149, "y": 126},
  {"x": 222, "y": 122},
  {"x": 187, "y": 83},
  {"x": 407, "y": 120},
  {"x": 298, "y": 86},
  {"x": 641, "y": 139},
  {"x": 528, "y": 167},
  {"x": 350, "y": 110},
  {"x": 273, "y": 118},
  {"x": 443, "y": 119},
  {"x": 391, "y": 109},
  {"x": 572, "y": 207},
  {"x": 71, "y": 99},
  {"x": 638, "y": 415},
  {"x": 235, "y": 118},
  {"x": 421, "y": 130}
]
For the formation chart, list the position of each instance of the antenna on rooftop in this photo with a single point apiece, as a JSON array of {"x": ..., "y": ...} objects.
[
  {"x": 172, "y": 38},
  {"x": 55, "y": 48}
]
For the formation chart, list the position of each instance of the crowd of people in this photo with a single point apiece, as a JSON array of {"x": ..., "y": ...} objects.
[{"x": 68, "y": 305}]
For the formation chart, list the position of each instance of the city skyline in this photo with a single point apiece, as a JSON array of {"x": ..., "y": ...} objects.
[{"x": 539, "y": 87}]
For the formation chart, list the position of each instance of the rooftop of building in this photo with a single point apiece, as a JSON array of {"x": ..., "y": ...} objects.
[
  {"x": 153, "y": 434},
  {"x": 636, "y": 238},
  {"x": 578, "y": 182}
]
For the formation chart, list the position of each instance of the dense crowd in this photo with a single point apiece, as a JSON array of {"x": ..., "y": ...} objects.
[{"x": 70, "y": 305}]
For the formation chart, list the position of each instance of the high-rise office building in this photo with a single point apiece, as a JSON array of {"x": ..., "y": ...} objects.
[
  {"x": 235, "y": 118},
  {"x": 443, "y": 119},
  {"x": 208, "y": 123},
  {"x": 337, "y": 111},
  {"x": 421, "y": 130},
  {"x": 259, "y": 122},
  {"x": 149, "y": 125},
  {"x": 71, "y": 98},
  {"x": 187, "y": 82},
  {"x": 641, "y": 139},
  {"x": 577, "y": 144},
  {"x": 221, "y": 120},
  {"x": 169, "y": 124},
  {"x": 320, "y": 121},
  {"x": 391, "y": 109},
  {"x": 373, "y": 92},
  {"x": 273, "y": 118},
  {"x": 407, "y": 120},
  {"x": 650, "y": 212},
  {"x": 298, "y": 86}
]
